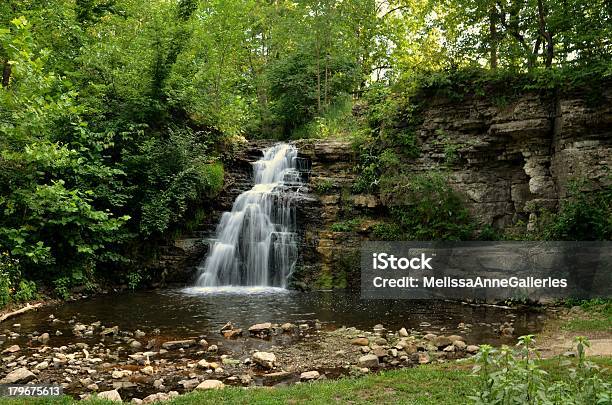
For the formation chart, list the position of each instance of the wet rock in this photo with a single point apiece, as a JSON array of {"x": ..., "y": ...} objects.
[
  {"x": 261, "y": 329},
  {"x": 472, "y": 349},
  {"x": 264, "y": 359},
  {"x": 22, "y": 375},
  {"x": 112, "y": 395},
  {"x": 232, "y": 333},
  {"x": 310, "y": 375},
  {"x": 178, "y": 344},
  {"x": 403, "y": 332},
  {"x": 360, "y": 341},
  {"x": 288, "y": 327},
  {"x": 11, "y": 349},
  {"x": 368, "y": 361},
  {"x": 304, "y": 326},
  {"x": 210, "y": 385},
  {"x": 226, "y": 327}
]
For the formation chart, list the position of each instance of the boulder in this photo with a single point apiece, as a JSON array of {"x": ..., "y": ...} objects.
[
  {"x": 360, "y": 341},
  {"x": 442, "y": 341},
  {"x": 309, "y": 375},
  {"x": 429, "y": 336},
  {"x": 264, "y": 359},
  {"x": 261, "y": 329},
  {"x": 368, "y": 361},
  {"x": 22, "y": 375},
  {"x": 11, "y": 349},
  {"x": 112, "y": 395},
  {"x": 459, "y": 344},
  {"x": 403, "y": 332},
  {"x": 210, "y": 385},
  {"x": 232, "y": 333},
  {"x": 456, "y": 337},
  {"x": 472, "y": 349}
]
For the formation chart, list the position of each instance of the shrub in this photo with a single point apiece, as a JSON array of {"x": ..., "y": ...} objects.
[{"x": 508, "y": 376}]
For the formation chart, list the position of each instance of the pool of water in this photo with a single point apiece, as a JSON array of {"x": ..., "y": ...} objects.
[{"x": 190, "y": 312}]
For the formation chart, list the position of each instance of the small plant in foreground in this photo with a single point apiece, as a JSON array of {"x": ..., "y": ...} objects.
[{"x": 512, "y": 376}]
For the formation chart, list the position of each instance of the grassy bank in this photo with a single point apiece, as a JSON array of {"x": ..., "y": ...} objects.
[{"x": 431, "y": 384}]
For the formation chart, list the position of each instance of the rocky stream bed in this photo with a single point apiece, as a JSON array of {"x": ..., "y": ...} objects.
[{"x": 147, "y": 366}]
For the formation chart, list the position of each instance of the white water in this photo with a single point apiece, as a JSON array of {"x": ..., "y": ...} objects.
[{"x": 256, "y": 244}]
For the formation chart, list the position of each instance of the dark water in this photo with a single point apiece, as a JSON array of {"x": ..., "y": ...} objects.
[{"x": 193, "y": 312}]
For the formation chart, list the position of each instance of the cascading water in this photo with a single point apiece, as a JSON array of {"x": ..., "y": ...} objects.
[{"x": 256, "y": 243}]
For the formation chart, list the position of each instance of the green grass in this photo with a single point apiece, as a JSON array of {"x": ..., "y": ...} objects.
[
  {"x": 598, "y": 317},
  {"x": 434, "y": 384}
]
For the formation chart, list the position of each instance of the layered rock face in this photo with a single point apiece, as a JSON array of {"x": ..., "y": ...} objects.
[{"x": 508, "y": 159}]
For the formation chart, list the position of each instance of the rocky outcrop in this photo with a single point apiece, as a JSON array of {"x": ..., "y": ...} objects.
[{"x": 509, "y": 159}]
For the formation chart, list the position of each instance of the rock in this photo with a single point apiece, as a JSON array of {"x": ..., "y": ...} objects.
[
  {"x": 423, "y": 357},
  {"x": 304, "y": 326},
  {"x": 44, "y": 338},
  {"x": 22, "y": 375},
  {"x": 429, "y": 336},
  {"x": 112, "y": 395},
  {"x": 159, "y": 397},
  {"x": 449, "y": 349},
  {"x": 189, "y": 384},
  {"x": 261, "y": 329},
  {"x": 264, "y": 359},
  {"x": 178, "y": 344},
  {"x": 203, "y": 342},
  {"x": 203, "y": 364},
  {"x": 368, "y": 361},
  {"x": 456, "y": 337},
  {"x": 226, "y": 327},
  {"x": 148, "y": 370},
  {"x": 139, "y": 334},
  {"x": 42, "y": 365},
  {"x": 229, "y": 334},
  {"x": 135, "y": 344},
  {"x": 309, "y": 375},
  {"x": 442, "y": 341},
  {"x": 472, "y": 349},
  {"x": 11, "y": 349},
  {"x": 246, "y": 379},
  {"x": 210, "y": 385},
  {"x": 213, "y": 348},
  {"x": 79, "y": 327},
  {"x": 459, "y": 344},
  {"x": 279, "y": 375},
  {"x": 403, "y": 332},
  {"x": 380, "y": 352},
  {"x": 365, "y": 349},
  {"x": 360, "y": 341},
  {"x": 288, "y": 327},
  {"x": 136, "y": 401},
  {"x": 110, "y": 331},
  {"x": 93, "y": 387}
]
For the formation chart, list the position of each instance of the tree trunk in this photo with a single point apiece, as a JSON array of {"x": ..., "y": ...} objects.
[
  {"x": 493, "y": 34},
  {"x": 546, "y": 34},
  {"x": 6, "y": 74}
]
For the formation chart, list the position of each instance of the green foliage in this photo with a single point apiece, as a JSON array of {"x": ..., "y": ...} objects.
[
  {"x": 514, "y": 376},
  {"x": 425, "y": 207},
  {"x": 349, "y": 225}
]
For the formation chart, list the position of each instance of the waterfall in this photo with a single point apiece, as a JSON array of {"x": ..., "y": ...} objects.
[{"x": 256, "y": 243}]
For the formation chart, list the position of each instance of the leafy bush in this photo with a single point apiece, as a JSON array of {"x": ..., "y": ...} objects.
[
  {"x": 346, "y": 226},
  {"x": 507, "y": 376},
  {"x": 425, "y": 207},
  {"x": 12, "y": 287}
]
